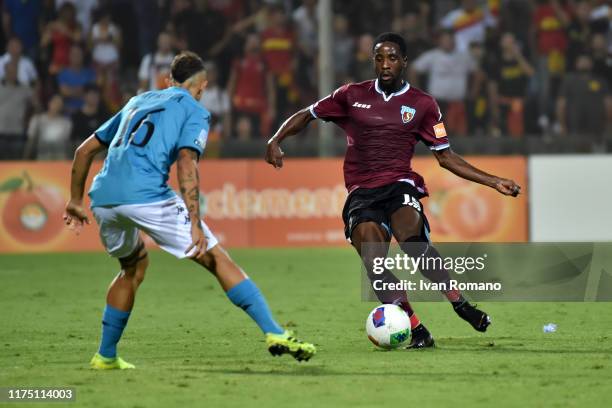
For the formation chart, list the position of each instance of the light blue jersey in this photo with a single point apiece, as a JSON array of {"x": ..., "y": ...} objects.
[{"x": 143, "y": 141}]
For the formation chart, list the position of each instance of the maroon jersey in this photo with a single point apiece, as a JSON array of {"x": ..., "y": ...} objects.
[{"x": 381, "y": 131}]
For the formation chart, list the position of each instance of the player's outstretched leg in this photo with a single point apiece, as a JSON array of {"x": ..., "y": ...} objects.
[
  {"x": 407, "y": 227},
  {"x": 478, "y": 319},
  {"x": 243, "y": 293},
  {"x": 119, "y": 303},
  {"x": 371, "y": 241}
]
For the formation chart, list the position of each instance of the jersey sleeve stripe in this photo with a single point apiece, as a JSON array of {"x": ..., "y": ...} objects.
[
  {"x": 312, "y": 112},
  {"x": 440, "y": 147}
]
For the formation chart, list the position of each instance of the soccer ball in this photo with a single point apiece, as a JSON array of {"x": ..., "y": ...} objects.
[{"x": 388, "y": 326}]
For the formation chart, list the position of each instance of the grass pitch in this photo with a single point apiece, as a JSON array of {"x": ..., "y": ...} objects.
[{"x": 192, "y": 347}]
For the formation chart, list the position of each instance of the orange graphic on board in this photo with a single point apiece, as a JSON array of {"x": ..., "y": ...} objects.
[
  {"x": 32, "y": 213},
  {"x": 459, "y": 210}
]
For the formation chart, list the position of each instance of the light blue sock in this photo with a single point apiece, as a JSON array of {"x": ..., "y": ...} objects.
[
  {"x": 113, "y": 323},
  {"x": 247, "y": 296}
]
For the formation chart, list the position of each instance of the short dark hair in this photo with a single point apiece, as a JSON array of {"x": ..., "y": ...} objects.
[
  {"x": 394, "y": 38},
  {"x": 185, "y": 65}
]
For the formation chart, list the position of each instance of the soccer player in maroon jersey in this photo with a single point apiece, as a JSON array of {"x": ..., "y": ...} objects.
[{"x": 383, "y": 120}]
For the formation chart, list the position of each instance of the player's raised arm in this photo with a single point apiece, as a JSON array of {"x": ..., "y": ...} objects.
[
  {"x": 74, "y": 213},
  {"x": 456, "y": 164},
  {"x": 189, "y": 184},
  {"x": 294, "y": 125}
]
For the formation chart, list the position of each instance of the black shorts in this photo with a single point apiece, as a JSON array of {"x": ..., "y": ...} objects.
[{"x": 377, "y": 205}]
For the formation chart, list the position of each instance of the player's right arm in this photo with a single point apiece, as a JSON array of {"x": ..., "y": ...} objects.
[
  {"x": 74, "y": 213},
  {"x": 294, "y": 125},
  {"x": 330, "y": 108}
]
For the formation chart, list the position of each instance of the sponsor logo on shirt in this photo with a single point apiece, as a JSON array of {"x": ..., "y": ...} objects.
[
  {"x": 439, "y": 130},
  {"x": 407, "y": 113},
  {"x": 361, "y": 105}
]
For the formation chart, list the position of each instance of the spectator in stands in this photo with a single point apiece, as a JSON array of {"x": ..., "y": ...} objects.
[
  {"x": 306, "y": 23},
  {"x": 415, "y": 33},
  {"x": 305, "y": 19},
  {"x": 278, "y": 45},
  {"x": 105, "y": 44},
  {"x": 73, "y": 79},
  {"x": 550, "y": 21},
  {"x": 602, "y": 57},
  {"x": 26, "y": 72},
  {"x": 509, "y": 74},
  {"x": 477, "y": 102},
  {"x": 469, "y": 23},
  {"x": 155, "y": 67},
  {"x": 151, "y": 12},
  {"x": 232, "y": 10},
  {"x": 61, "y": 34},
  {"x": 216, "y": 100},
  {"x": 601, "y": 18},
  {"x": 449, "y": 70},
  {"x": 584, "y": 102},
  {"x": 199, "y": 29},
  {"x": 515, "y": 17},
  {"x": 87, "y": 119},
  {"x": 21, "y": 19},
  {"x": 244, "y": 129},
  {"x": 14, "y": 100},
  {"x": 84, "y": 11},
  {"x": 344, "y": 46},
  {"x": 251, "y": 87},
  {"x": 49, "y": 133},
  {"x": 361, "y": 67},
  {"x": 578, "y": 32}
]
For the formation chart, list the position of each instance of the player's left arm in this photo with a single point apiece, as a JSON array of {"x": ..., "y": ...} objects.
[
  {"x": 433, "y": 134},
  {"x": 191, "y": 144},
  {"x": 456, "y": 164},
  {"x": 189, "y": 184},
  {"x": 74, "y": 214}
]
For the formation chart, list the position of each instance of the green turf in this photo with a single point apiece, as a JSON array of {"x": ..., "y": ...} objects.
[{"x": 193, "y": 348}]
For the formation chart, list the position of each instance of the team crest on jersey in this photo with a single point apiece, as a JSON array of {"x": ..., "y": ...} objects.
[{"x": 407, "y": 113}]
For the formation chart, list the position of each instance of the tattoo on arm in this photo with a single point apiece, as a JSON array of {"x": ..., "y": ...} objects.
[{"x": 189, "y": 183}]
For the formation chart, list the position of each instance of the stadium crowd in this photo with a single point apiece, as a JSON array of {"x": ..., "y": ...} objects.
[{"x": 499, "y": 68}]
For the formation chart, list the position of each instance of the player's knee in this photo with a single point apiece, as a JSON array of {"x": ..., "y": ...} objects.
[
  {"x": 134, "y": 265},
  {"x": 141, "y": 268},
  {"x": 222, "y": 261},
  {"x": 208, "y": 261},
  {"x": 369, "y": 231},
  {"x": 415, "y": 245},
  {"x": 407, "y": 234}
]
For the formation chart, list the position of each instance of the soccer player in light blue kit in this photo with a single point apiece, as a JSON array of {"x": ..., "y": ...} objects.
[{"x": 130, "y": 194}]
